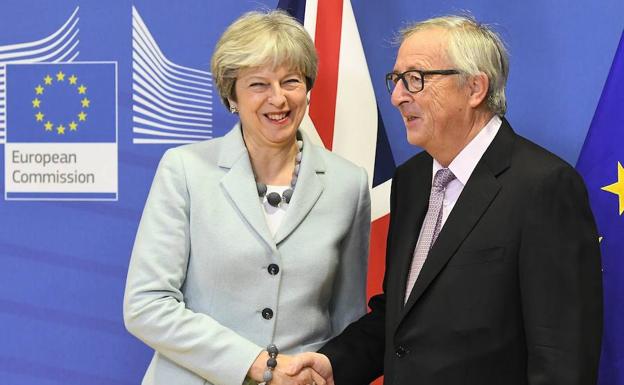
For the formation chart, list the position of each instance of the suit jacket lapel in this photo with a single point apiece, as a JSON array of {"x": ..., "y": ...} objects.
[
  {"x": 481, "y": 189},
  {"x": 239, "y": 183},
  {"x": 308, "y": 190}
]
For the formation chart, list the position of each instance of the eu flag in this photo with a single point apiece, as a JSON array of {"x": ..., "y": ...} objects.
[
  {"x": 602, "y": 165},
  {"x": 61, "y": 103}
]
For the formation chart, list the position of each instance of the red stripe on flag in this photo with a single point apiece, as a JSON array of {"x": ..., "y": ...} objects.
[
  {"x": 377, "y": 255},
  {"x": 327, "y": 41}
]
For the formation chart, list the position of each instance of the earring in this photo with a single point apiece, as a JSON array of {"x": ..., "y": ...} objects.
[{"x": 233, "y": 109}]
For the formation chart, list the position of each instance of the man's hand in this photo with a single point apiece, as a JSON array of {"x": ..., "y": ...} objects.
[
  {"x": 303, "y": 376},
  {"x": 318, "y": 362}
]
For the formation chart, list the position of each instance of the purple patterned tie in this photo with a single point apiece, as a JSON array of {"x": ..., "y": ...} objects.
[{"x": 430, "y": 227}]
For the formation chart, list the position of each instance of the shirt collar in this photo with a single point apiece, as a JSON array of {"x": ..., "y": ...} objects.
[{"x": 465, "y": 162}]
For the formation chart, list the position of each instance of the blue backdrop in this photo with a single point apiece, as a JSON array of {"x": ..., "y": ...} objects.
[{"x": 63, "y": 262}]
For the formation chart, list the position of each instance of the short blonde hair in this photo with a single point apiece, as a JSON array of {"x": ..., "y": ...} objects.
[
  {"x": 257, "y": 39},
  {"x": 473, "y": 47}
]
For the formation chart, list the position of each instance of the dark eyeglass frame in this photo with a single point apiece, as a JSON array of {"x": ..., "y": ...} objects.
[{"x": 390, "y": 83}]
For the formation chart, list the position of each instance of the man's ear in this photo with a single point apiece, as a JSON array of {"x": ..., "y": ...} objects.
[{"x": 478, "y": 85}]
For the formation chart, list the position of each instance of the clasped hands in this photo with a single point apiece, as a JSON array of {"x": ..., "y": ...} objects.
[{"x": 301, "y": 369}]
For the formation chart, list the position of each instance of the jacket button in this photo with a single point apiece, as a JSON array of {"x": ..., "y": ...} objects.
[
  {"x": 267, "y": 313},
  {"x": 273, "y": 269},
  {"x": 400, "y": 352}
]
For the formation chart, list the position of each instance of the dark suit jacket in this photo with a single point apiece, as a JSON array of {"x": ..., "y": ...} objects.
[{"x": 510, "y": 292}]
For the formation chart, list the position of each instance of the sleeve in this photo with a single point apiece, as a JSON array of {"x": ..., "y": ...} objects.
[
  {"x": 357, "y": 354},
  {"x": 560, "y": 283},
  {"x": 349, "y": 294},
  {"x": 154, "y": 308}
]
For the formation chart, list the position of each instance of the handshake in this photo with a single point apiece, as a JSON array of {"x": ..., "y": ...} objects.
[{"x": 301, "y": 369}]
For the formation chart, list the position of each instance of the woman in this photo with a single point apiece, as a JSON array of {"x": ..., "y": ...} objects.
[{"x": 256, "y": 238}]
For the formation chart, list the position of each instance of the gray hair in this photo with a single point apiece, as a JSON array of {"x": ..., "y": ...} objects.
[
  {"x": 257, "y": 39},
  {"x": 473, "y": 48}
]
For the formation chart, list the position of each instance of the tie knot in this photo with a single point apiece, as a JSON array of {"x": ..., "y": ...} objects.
[{"x": 442, "y": 178}]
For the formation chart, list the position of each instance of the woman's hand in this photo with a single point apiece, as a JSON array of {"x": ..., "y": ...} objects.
[
  {"x": 306, "y": 376},
  {"x": 315, "y": 361}
]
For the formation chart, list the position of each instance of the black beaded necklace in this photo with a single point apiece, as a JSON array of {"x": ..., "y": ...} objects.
[{"x": 275, "y": 199}]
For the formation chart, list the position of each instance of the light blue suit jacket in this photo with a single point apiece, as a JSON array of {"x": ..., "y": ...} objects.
[{"x": 198, "y": 279}]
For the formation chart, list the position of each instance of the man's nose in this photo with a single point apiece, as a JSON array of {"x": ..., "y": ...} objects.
[{"x": 400, "y": 94}]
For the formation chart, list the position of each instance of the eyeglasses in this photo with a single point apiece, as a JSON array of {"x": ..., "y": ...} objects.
[{"x": 413, "y": 80}]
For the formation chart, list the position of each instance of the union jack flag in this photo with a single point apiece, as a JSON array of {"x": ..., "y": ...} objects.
[{"x": 344, "y": 115}]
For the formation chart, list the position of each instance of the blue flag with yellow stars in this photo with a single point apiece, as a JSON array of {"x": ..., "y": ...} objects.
[
  {"x": 61, "y": 102},
  {"x": 602, "y": 165}
]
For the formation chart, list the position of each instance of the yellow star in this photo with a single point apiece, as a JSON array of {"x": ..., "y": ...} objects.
[
  {"x": 82, "y": 116},
  {"x": 39, "y": 90},
  {"x": 47, "y": 80},
  {"x": 39, "y": 116},
  {"x": 85, "y": 102},
  {"x": 617, "y": 188},
  {"x": 60, "y": 76},
  {"x": 48, "y": 126},
  {"x": 73, "y": 126},
  {"x": 36, "y": 103},
  {"x": 82, "y": 89},
  {"x": 60, "y": 130},
  {"x": 73, "y": 79}
]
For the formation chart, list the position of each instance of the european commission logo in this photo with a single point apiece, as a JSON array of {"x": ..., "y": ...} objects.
[
  {"x": 172, "y": 104},
  {"x": 60, "y": 128}
]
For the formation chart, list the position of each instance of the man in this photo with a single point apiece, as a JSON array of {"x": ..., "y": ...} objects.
[{"x": 492, "y": 266}]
